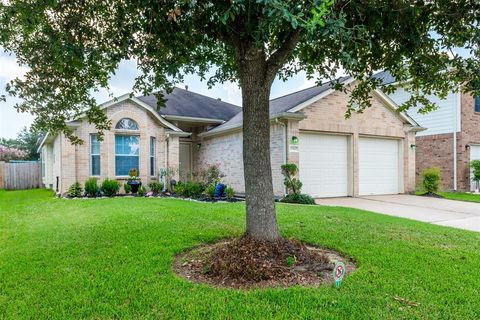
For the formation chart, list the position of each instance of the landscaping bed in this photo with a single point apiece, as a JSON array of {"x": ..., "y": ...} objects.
[{"x": 246, "y": 263}]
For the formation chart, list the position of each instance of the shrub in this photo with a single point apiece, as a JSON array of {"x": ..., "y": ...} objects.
[
  {"x": 110, "y": 187},
  {"x": 289, "y": 171},
  {"x": 191, "y": 189},
  {"x": 91, "y": 187},
  {"x": 298, "y": 198},
  {"x": 475, "y": 165},
  {"x": 210, "y": 191},
  {"x": 156, "y": 187},
  {"x": 75, "y": 190},
  {"x": 211, "y": 176},
  {"x": 431, "y": 180},
  {"x": 142, "y": 191},
  {"x": 127, "y": 188},
  {"x": 229, "y": 192}
]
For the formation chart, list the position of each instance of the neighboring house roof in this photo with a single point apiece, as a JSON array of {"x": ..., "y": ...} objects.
[
  {"x": 184, "y": 103},
  {"x": 385, "y": 76}
]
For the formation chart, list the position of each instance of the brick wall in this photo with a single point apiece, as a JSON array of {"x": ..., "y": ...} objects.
[
  {"x": 470, "y": 135},
  {"x": 226, "y": 151}
]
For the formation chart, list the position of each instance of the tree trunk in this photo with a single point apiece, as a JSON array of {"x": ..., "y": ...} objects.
[{"x": 261, "y": 216}]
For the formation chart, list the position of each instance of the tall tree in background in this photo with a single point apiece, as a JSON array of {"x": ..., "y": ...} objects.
[
  {"x": 27, "y": 140},
  {"x": 73, "y": 47}
]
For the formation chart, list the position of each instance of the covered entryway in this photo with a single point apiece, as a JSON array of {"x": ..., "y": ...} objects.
[
  {"x": 324, "y": 164},
  {"x": 379, "y": 166},
  {"x": 185, "y": 161},
  {"x": 474, "y": 155}
]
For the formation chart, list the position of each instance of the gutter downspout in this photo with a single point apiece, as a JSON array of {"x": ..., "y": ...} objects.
[{"x": 457, "y": 108}]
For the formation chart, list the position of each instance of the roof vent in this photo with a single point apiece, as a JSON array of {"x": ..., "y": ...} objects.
[
  {"x": 186, "y": 87},
  {"x": 219, "y": 99}
]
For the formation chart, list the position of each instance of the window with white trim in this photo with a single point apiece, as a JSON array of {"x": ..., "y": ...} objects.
[
  {"x": 152, "y": 156},
  {"x": 477, "y": 104},
  {"x": 94, "y": 155},
  {"x": 127, "y": 151}
]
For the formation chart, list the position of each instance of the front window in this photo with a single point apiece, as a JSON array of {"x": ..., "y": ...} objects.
[
  {"x": 94, "y": 155},
  {"x": 126, "y": 154},
  {"x": 477, "y": 104},
  {"x": 152, "y": 156}
]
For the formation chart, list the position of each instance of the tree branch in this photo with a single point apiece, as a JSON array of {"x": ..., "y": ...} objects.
[{"x": 278, "y": 57}]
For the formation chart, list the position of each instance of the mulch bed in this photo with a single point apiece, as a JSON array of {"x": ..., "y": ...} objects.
[
  {"x": 432, "y": 195},
  {"x": 244, "y": 263}
]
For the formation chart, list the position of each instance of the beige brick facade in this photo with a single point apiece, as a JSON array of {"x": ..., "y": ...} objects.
[{"x": 73, "y": 163}]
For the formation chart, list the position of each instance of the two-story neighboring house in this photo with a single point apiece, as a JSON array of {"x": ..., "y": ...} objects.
[{"x": 452, "y": 138}]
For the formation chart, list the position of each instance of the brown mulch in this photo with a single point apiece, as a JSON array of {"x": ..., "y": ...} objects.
[
  {"x": 432, "y": 195},
  {"x": 246, "y": 263}
]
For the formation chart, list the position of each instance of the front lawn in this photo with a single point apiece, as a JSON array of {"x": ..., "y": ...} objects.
[
  {"x": 462, "y": 196},
  {"x": 111, "y": 258}
]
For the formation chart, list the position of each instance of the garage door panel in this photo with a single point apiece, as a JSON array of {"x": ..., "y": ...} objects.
[
  {"x": 378, "y": 166},
  {"x": 324, "y": 165}
]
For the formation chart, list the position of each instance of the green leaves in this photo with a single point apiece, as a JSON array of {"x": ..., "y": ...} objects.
[{"x": 73, "y": 48}]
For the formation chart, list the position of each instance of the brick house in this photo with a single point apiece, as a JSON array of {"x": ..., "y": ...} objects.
[
  {"x": 452, "y": 136},
  {"x": 370, "y": 153}
]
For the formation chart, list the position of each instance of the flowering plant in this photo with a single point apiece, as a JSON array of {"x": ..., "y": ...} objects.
[{"x": 7, "y": 154}]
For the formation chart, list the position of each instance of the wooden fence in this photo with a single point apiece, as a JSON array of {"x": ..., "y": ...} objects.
[{"x": 20, "y": 175}]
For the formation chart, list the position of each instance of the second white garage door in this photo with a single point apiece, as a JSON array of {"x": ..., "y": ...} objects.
[
  {"x": 379, "y": 169},
  {"x": 324, "y": 165}
]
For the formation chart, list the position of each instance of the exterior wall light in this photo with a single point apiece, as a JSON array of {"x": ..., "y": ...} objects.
[
  {"x": 413, "y": 146},
  {"x": 199, "y": 145},
  {"x": 294, "y": 140},
  {"x": 467, "y": 147}
]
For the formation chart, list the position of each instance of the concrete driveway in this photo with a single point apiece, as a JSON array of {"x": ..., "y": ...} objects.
[{"x": 457, "y": 214}]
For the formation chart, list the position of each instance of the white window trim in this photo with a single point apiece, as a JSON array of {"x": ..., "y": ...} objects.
[{"x": 92, "y": 154}]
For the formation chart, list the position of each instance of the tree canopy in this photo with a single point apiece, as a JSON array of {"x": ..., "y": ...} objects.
[{"x": 73, "y": 47}]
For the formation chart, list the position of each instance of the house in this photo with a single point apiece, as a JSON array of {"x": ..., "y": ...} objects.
[
  {"x": 370, "y": 153},
  {"x": 452, "y": 137}
]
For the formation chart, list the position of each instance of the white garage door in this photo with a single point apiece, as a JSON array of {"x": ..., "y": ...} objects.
[
  {"x": 378, "y": 166},
  {"x": 324, "y": 165},
  {"x": 474, "y": 155}
]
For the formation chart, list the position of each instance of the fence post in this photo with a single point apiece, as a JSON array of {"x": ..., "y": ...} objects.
[{"x": 2, "y": 174}]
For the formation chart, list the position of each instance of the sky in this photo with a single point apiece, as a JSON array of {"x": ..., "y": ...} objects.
[{"x": 11, "y": 121}]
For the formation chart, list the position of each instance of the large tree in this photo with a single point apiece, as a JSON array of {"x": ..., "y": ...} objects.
[{"x": 73, "y": 47}]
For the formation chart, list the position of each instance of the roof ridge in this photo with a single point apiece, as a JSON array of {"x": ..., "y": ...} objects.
[
  {"x": 315, "y": 86},
  {"x": 202, "y": 95}
]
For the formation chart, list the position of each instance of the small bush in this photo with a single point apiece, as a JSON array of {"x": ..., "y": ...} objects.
[
  {"x": 110, "y": 187},
  {"x": 229, "y": 192},
  {"x": 190, "y": 189},
  {"x": 142, "y": 191},
  {"x": 91, "y": 187},
  {"x": 75, "y": 190},
  {"x": 156, "y": 187},
  {"x": 298, "y": 198},
  {"x": 475, "y": 165},
  {"x": 289, "y": 171},
  {"x": 431, "y": 180},
  {"x": 127, "y": 188},
  {"x": 210, "y": 191},
  {"x": 211, "y": 176}
]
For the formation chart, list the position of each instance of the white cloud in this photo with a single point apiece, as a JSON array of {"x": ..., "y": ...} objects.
[
  {"x": 9, "y": 68},
  {"x": 234, "y": 93}
]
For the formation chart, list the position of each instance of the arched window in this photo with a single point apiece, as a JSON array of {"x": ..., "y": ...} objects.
[{"x": 127, "y": 124}]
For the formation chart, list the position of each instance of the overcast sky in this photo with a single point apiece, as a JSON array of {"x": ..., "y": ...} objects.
[{"x": 11, "y": 122}]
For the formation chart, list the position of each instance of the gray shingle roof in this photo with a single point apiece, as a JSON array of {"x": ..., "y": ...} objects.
[
  {"x": 385, "y": 76},
  {"x": 284, "y": 103},
  {"x": 185, "y": 103}
]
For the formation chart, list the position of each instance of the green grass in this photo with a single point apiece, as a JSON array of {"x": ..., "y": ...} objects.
[
  {"x": 460, "y": 196},
  {"x": 111, "y": 258}
]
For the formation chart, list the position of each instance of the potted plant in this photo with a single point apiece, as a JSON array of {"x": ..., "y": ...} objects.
[{"x": 134, "y": 180}]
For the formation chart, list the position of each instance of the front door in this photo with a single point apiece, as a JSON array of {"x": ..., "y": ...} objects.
[{"x": 185, "y": 159}]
